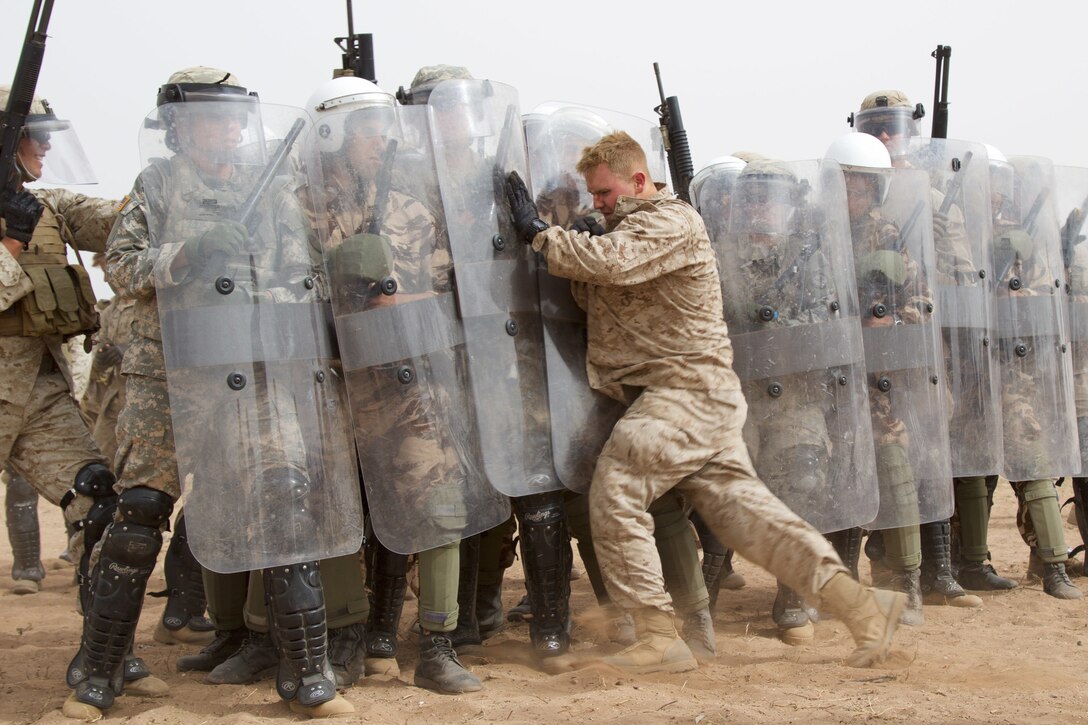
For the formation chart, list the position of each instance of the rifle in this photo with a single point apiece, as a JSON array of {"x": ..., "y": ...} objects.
[
  {"x": 954, "y": 186},
  {"x": 676, "y": 141},
  {"x": 939, "y": 129},
  {"x": 908, "y": 226},
  {"x": 1028, "y": 226},
  {"x": 248, "y": 213},
  {"x": 14, "y": 116},
  {"x": 1071, "y": 232},
  {"x": 358, "y": 51}
]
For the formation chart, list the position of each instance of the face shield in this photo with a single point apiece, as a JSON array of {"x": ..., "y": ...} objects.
[
  {"x": 763, "y": 205},
  {"x": 893, "y": 126},
  {"x": 50, "y": 152}
]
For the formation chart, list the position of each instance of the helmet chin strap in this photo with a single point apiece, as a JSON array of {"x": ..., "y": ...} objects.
[{"x": 26, "y": 175}]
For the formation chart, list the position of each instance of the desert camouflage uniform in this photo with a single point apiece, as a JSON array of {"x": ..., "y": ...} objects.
[
  {"x": 42, "y": 436},
  {"x": 104, "y": 398},
  {"x": 657, "y": 340}
]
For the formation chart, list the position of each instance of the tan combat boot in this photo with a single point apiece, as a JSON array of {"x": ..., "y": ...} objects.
[
  {"x": 871, "y": 615},
  {"x": 659, "y": 648}
]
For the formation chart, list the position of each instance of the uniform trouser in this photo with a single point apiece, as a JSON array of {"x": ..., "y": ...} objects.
[
  {"x": 341, "y": 580},
  {"x": 1039, "y": 519},
  {"x": 46, "y": 442},
  {"x": 690, "y": 440},
  {"x": 681, "y": 570},
  {"x": 496, "y": 553}
]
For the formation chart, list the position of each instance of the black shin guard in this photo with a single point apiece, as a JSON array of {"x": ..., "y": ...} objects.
[
  {"x": 24, "y": 534},
  {"x": 467, "y": 630},
  {"x": 387, "y": 573},
  {"x": 96, "y": 481},
  {"x": 847, "y": 545},
  {"x": 109, "y": 621},
  {"x": 1080, "y": 501},
  {"x": 715, "y": 557},
  {"x": 546, "y": 556},
  {"x": 184, "y": 581},
  {"x": 296, "y": 617}
]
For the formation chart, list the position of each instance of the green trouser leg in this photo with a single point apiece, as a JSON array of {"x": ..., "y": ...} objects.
[
  {"x": 1042, "y": 513},
  {"x": 226, "y": 595},
  {"x": 974, "y": 514},
  {"x": 439, "y": 573},
  {"x": 577, "y": 509},
  {"x": 680, "y": 564},
  {"x": 903, "y": 548},
  {"x": 345, "y": 591}
]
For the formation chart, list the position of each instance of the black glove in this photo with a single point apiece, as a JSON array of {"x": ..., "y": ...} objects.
[
  {"x": 110, "y": 355},
  {"x": 21, "y": 214},
  {"x": 227, "y": 238},
  {"x": 588, "y": 224},
  {"x": 522, "y": 209}
]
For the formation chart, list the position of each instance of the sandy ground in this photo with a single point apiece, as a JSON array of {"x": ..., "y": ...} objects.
[{"x": 1019, "y": 659}]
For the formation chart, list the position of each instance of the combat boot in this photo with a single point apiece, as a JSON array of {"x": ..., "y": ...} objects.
[
  {"x": 347, "y": 657},
  {"x": 520, "y": 612},
  {"x": 489, "y": 617},
  {"x": 388, "y": 574},
  {"x": 254, "y": 660},
  {"x": 879, "y": 571},
  {"x": 938, "y": 584},
  {"x": 698, "y": 633},
  {"x": 909, "y": 583},
  {"x": 871, "y": 615},
  {"x": 225, "y": 644},
  {"x": 792, "y": 617},
  {"x": 439, "y": 670},
  {"x": 659, "y": 648},
  {"x": 467, "y": 631},
  {"x": 981, "y": 576},
  {"x": 1056, "y": 582}
]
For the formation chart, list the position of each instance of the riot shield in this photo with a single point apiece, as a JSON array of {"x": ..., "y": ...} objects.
[
  {"x": 1040, "y": 430},
  {"x": 401, "y": 340},
  {"x": 959, "y": 179},
  {"x": 894, "y": 265},
  {"x": 791, "y": 307},
  {"x": 478, "y": 139},
  {"x": 1071, "y": 193},
  {"x": 260, "y": 416},
  {"x": 581, "y": 418}
]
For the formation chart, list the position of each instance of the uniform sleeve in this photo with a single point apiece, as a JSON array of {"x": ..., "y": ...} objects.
[
  {"x": 14, "y": 283},
  {"x": 87, "y": 219},
  {"x": 647, "y": 244},
  {"x": 136, "y": 263}
]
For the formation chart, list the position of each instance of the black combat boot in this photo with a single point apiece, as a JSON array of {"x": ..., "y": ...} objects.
[
  {"x": 793, "y": 618},
  {"x": 183, "y": 620},
  {"x": 467, "y": 631},
  {"x": 226, "y": 643},
  {"x": 938, "y": 584},
  {"x": 847, "y": 545},
  {"x": 388, "y": 582},
  {"x": 21, "y": 507},
  {"x": 347, "y": 647},
  {"x": 255, "y": 659}
]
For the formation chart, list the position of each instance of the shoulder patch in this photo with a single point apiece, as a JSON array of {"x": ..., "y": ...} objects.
[{"x": 127, "y": 204}]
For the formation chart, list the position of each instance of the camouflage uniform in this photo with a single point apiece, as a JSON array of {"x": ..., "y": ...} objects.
[
  {"x": 104, "y": 398},
  {"x": 42, "y": 436},
  {"x": 651, "y": 291}
]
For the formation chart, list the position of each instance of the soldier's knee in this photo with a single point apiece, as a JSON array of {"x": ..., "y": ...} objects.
[
  {"x": 145, "y": 507},
  {"x": 94, "y": 480}
]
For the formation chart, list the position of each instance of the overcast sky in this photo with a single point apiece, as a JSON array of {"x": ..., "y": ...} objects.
[{"x": 779, "y": 78}]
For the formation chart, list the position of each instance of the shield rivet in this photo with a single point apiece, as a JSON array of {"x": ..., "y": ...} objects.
[{"x": 236, "y": 381}]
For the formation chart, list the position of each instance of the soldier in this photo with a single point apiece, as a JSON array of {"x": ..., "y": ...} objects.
[
  {"x": 390, "y": 271},
  {"x": 42, "y": 436},
  {"x": 204, "y": 282},
  {"x": 657, "y": 342},
  {"x": 582, "y": 418},
  {"x": 791, "y": 307},
  {"x": 477, "y": 135},
  {"x": 975, "y": 428},
  {"x": 1040, "y": 429}
]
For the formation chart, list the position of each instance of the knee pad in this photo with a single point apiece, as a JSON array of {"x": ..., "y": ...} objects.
[{"x": 145, "y": 507}]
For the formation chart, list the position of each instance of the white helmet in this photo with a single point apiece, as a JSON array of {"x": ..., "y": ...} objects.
[
  {"x": 721, "y": 172},
  {"x": 334, "y": 102},
  {"x": 862, "y": 153}
]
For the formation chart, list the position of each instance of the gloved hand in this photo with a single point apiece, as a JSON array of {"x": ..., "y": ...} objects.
[
  {"x": 527, "y": 221},
  {"x": 361, "y": 257},
  {"x": 588, "y": 224},
  {"x": 109, "y": 355},
  {"x": 227, "y": 238},
  {"x": 22, "y": 210},
  {"x": 882, "y": 265}
]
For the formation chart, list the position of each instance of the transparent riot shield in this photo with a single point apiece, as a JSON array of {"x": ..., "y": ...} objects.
[
  {"x": 581, "y": 418},
  {"x": 478, "y": 139},
  {"x": 790, "y": 303},
  {"x": 894, "y": 264},
  {"x": 1040, "y": 431},
  {"x": 261, "y": 422},
  {"x": 1071, "y": 193},
  {"x": 960, "y": 196},
  {"x": 401, "y": 339}
]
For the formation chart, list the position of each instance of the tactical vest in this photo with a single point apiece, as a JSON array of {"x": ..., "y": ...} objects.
[{"x": 62, "y": 301}]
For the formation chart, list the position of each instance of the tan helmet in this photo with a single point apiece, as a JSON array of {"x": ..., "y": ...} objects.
[
  {"x": 427, "y": 78},
  {"x": 889, "y": 113},
  {"x": 199, "y": 84},
  {"x": 67, "y": 163}
]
